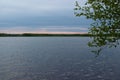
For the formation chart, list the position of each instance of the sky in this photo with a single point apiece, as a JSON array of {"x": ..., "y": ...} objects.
[{"x": 41, "y": 15}]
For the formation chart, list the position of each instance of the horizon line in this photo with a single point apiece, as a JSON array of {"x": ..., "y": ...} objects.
[{"x": 46, "y": 32}]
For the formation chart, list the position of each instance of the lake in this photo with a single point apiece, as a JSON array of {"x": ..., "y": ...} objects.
[{"x": 56, "y": 58}]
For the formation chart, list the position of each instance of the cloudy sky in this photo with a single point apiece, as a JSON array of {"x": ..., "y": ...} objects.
[{"x": 40, "y": 15}]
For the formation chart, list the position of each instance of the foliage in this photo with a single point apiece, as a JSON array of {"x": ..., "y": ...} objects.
[
  {"x": 106, "y": 17},
  {"x": 105, "y": 13}
]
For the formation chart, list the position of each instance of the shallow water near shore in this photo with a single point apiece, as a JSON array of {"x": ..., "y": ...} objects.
[{"x": 56, "y": 58}]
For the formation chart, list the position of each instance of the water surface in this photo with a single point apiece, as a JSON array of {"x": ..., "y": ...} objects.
[{"x": 56, "y": 58}]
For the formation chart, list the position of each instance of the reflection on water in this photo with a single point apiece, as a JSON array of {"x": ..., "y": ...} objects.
[{"x": 56, "y": 58}]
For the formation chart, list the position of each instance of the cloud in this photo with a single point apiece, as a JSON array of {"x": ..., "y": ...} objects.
[
  {"x": 35, "y": 14},
  {"x": 41, "y": 7},
  {"x": 43, "y": 21}
]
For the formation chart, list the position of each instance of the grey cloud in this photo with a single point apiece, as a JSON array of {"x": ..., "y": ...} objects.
[
  {"x": 12, "y": 7},
  {"x": 36, "y": 13}
]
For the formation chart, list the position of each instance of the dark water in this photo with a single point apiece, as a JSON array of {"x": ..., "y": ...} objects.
[{"x": 56, "y": 58}]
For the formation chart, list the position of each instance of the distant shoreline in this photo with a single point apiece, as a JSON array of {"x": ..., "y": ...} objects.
[
  {"x": 40, "y": 35},
  {"x": 55, "y": 35}
]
